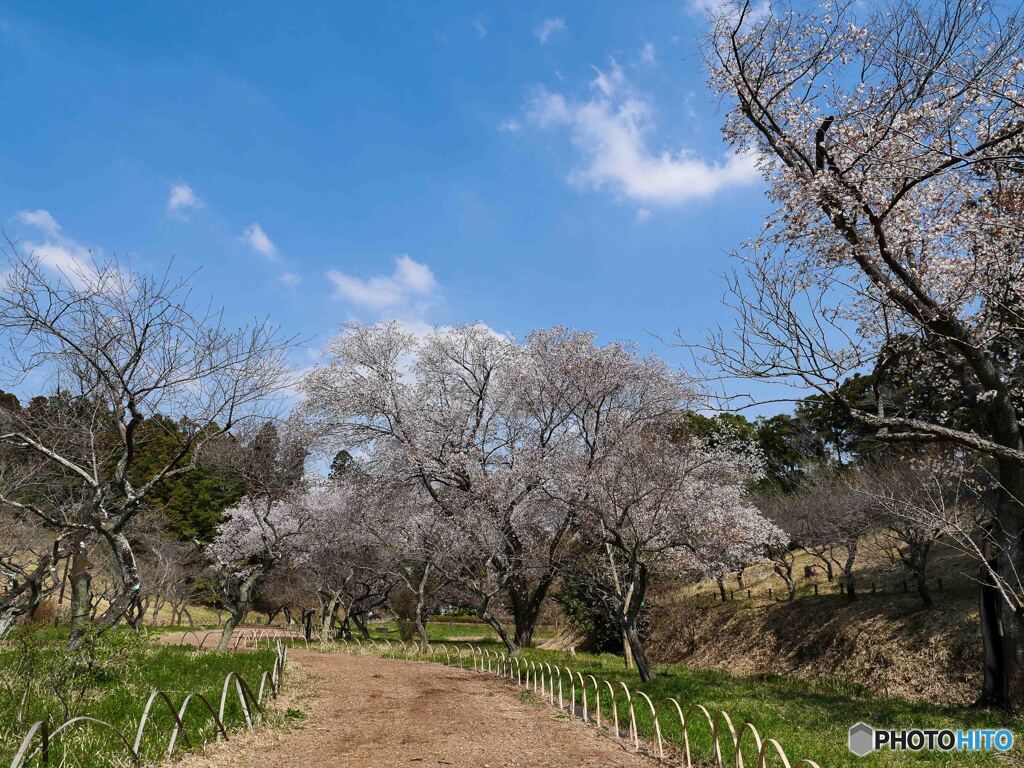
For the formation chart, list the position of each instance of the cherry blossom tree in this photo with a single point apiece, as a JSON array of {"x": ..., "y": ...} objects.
[
  {"x": 667, "y": 506},
  {"x": 481, "y": 424},
  {"x": 265, "y": 527},
  {"x": 256, "y": 535},
  {"x": 891, "y": 136}
]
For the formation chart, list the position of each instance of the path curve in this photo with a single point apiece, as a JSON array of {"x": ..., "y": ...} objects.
[{"x": 369, "y": 712}]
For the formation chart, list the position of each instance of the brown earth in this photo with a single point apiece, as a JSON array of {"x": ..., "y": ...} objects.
[
  {"x": 886, "y": 644},
  {"x": 375, "y": 713}
]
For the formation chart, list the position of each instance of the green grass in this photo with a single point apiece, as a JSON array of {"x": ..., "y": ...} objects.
[
  {"x": 110, "y": 679},
  {"x": 809, "y": 719}
]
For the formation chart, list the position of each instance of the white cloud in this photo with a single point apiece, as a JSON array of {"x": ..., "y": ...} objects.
[
  {"x": 610, "y": 130},
  {"x": 509, "y": 126},
  {"x": 57, "y": 251},
  {"x": 408, "y": 291},
  {"x": 481, "y": 30},
  {"x": 643, "y": 214},
  {"x": 182, "y": 198},
  {"x": 548, "y": 27},
  {"x": 289, "y": 279},
  {"x": 259, "y": 241},
  {"x": 648, "y": 55},
  {"x": 39, "y": 219}
]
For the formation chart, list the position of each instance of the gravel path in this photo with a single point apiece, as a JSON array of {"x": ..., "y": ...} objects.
[{"x": 375, "y": 713}]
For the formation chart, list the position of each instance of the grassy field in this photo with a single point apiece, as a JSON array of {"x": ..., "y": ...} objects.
[
  {"x": 110, "y": 679},
  {"x": 809, "y": 719}
]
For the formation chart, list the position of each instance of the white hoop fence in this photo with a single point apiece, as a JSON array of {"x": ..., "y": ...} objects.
[
  {"x": 706, "y": 736},
  {"x": 40, "y": 738}
]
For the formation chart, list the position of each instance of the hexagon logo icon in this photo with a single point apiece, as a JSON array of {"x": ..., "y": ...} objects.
[{"x": 862, "y": 739}]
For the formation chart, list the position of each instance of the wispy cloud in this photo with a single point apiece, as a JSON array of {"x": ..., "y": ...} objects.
[
  {"x": 56, "y": 251},
  {"x": 509, "y": 126},
  {"x": 259, "y": 241},
  {"x": 406, "y": 293},
  {"x": 648, "y": 54},
  {"x": 611, "y": 129},
  {"x": 481, "y": 29},
  {"x": 548, "y": 27},
  {"x": 39, "y": 219},
  {"x": 182, "y": 199},
  {"x": 289, "y": 280}
]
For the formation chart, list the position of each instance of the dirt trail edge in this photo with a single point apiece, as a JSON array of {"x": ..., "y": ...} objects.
[{"x": 375, "y": 713}]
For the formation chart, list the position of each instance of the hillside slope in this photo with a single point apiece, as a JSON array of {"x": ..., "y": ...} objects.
[{"x": 886, "y": 643}]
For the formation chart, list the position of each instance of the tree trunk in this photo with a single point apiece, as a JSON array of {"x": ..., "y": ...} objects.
[
  {"x": 849, "y": 580},
  {"x": 157, "y": 605},
  {"x": 1003, "y": 628},
  {"x": 8, "y": 617},
  {"x": 361, "y": 626},
  {"x": 80, "y": 579},
  {"x": 234, "y": 619},
  {"x": 327, "y": 617},
  {"x": 643, "y": 666},
  {"x": 128, "y": 594},
  {"x": 721, "y": 588},
  {"x": 239, "y": 608},
  {"x": 921, "y": 576},
  {"x": 421, "y": 602},
  {"x": 629, "y": 616},
  {"x": 526, "y": 605}
]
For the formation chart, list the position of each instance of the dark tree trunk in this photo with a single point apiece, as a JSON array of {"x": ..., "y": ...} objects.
[
  {"x": 630, "y": 616},
  {"x": 849, "y": 579},
  {"x": 526, "y": 605},
  {"x": 921, "y": 577},
  {"x": 361, "y": 626},
  {"x": 1003, "y": 628}
]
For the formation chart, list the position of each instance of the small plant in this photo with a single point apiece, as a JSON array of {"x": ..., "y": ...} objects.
[{"x": 294, "y": 714}]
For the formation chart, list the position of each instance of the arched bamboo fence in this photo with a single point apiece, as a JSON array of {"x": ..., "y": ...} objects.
[{"x": 40, "y": 736}]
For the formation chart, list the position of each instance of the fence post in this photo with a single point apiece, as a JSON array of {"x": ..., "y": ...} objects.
[
  {"x": 748, "y": 594},
  {"x": 771, "y": 593},
  {"x": 815, "y": 590}
]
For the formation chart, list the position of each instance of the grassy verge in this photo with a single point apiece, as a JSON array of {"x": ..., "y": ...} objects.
[
  {"x": 110, "y": 678},
  {"x": 809, "y": 719}
]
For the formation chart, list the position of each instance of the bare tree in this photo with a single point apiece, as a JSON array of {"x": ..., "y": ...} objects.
[
  {"x": 891, "y": 137},
  {"x": 923, "y": 496},
  {"x": 832, "y": 518}
]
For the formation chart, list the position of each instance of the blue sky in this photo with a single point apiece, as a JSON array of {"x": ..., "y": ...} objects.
[{"x": 555, "y": 163}]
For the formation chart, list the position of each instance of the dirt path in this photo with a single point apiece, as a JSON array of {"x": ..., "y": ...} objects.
[{"x": 375, "y": 713}]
